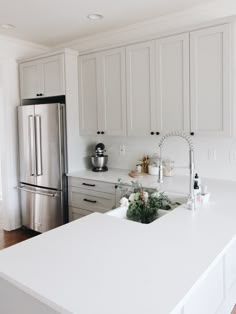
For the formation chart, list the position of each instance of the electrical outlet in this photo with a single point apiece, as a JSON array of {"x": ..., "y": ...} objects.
[
  {"x": 232, "y": 156},
  {"x": 212, "y": 154},
  {"x": 122, "y": 150}
]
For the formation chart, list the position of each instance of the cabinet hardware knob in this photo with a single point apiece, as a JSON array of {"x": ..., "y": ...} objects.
[
  {"x": 152, "y": 133},
  {"x": 37, "y": 94},
  {"x": 98, "y": 132},
  {"x": 102, "y": 132},
  {"x": 192, "y": 133},
  {"x": 41, "y": 94},
  {"x": 90, "y": 201},
  {"x": 157, "y": 133},
  {"x": 87, "y": 184}
]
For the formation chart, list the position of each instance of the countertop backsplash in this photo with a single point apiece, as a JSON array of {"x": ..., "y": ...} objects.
[{"x": 214, "y": 158}]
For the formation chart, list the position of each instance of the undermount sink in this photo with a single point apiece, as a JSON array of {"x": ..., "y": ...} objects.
[{"x": 120, "y": 212}]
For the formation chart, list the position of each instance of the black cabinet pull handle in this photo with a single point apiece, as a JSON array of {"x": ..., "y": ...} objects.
[
  {"x": 98, "y": 132},
  {"x": 192, "y": 133},
  {"x": 87, "y": 184},
  {"x": 40, "y": 94},
  {"x": 37, "y": 94},
  {"x": 157, "y": 133},
  {"x": 152, "y": 133},
  {"x": 102, "y": 132},
  {"x": 90, "y": 201}
]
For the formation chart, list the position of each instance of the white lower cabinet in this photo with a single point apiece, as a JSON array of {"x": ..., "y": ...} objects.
[
  {"x": 88, "y": 196},
  {"x": 208, "y": 296},
  {"x": 230, "y": 268},
  {"x": 216, "y": 293},
  {"x": 76, "y": 213}
]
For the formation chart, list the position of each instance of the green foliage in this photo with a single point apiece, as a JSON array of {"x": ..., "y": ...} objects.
[{"x": 143, "y": 206}]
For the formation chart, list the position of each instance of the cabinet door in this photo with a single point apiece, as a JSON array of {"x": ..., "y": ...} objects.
[
  {"x": 88, "y": 94},
  {"x": 29, "y": 80},
  {"x": 210, "y": 102},
  {"x": 52, "y": 82},
  {"x": 76, "y": 213},
  {"x": 209, "y": 294},
  {"x": 111, "y": 92},
  {"x": 172, "y": 64},
  {"x": 141, "y": 111}
]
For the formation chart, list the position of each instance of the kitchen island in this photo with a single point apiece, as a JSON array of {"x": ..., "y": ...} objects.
[{"x": 182, "y": 263}]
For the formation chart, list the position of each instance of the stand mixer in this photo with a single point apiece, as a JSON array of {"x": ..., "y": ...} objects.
[{"x": 99, "y": 160}]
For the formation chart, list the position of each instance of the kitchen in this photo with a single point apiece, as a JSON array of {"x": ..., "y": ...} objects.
[{"x": 149, "y": 74}]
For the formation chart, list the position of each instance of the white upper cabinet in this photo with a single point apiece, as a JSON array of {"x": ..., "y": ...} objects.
[
  {"x": 52, "y": 76},
  {"x": 88, "y": 94},
  {"x": 102, "y": 93},
  {"x": 42, "y": 77},
  {"x": 176, "y": 83},
  {"x": 158, "y": 86},
  {"x": 112, "y": 92},
  {"x": 140, "y": 78},
  {"x": 29, "y": 79},
  {"x": 172, "y": 83},
  {"x": 210, "y": 73}
]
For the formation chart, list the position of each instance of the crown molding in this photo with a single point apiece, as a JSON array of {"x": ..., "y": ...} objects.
[
  {"x": 50, "y": 53},
  {"x": 22, "y": 42},
  {"x": 187, "y": 20}
]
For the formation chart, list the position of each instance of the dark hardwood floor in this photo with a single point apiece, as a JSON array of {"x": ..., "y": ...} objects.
[{"x": 8, "y": 238}]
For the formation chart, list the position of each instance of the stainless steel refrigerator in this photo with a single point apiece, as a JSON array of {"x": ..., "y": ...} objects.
[{"x": 42, "y": 145}]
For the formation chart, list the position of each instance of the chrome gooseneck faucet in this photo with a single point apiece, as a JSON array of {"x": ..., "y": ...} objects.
[{"x": 191, "y": 198}]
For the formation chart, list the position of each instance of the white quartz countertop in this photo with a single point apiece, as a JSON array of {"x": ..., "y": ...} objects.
[
  {"x": 102, "y": 264},
  {"x": 147, "y": 181}
]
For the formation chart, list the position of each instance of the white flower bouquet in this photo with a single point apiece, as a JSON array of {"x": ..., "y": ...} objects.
[{"x": 143, "y": 205}]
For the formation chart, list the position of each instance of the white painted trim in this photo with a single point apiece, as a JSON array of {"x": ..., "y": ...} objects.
[
  {"x": 185, "y": 21},
  {"x": 24, "y": 42},
  {"x": 50, "y": 54}
]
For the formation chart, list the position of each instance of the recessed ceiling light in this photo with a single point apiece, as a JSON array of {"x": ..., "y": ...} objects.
[
  {"x": 95, "y": 16},
  {"x": 7, "y": 26}
]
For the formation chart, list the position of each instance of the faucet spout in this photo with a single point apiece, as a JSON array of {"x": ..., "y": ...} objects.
[{"x": 187, "y": 138}]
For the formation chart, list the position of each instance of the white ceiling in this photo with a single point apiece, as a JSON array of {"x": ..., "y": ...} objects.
[{"x": 52, "y": 22}]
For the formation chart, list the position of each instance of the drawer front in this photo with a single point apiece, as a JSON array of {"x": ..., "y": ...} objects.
[
  {"x": 76, "y": 213},
  {"x": 209, "y": 295},
  {"x": 91, "y": 200},
  {"x": 92, "y": 185}
]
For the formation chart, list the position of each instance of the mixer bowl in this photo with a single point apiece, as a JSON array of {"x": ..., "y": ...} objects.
[{"x": 99, "y": 162}]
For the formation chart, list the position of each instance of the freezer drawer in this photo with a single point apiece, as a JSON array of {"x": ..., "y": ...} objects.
[{"x": 41, "y": 209}]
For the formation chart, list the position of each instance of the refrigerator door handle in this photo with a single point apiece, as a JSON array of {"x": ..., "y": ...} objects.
[
  {"x": 39, "y": 167},
  {"x": 31, "y": 144},
  {"x": 62, "y": 138},
  {"x": 35, "y": 192}
]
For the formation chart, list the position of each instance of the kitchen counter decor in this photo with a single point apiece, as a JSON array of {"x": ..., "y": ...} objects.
[{"x": 143, "y": 205}]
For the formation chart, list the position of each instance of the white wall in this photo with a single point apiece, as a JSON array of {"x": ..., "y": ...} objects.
[
  {"x": 9, "y": 99},
  {"x": 222, "y": 168}
]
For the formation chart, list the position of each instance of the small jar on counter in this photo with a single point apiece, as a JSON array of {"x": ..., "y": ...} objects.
[
  {"x": 153, "y": 167},
  {"x": 168, "y": 168}
]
